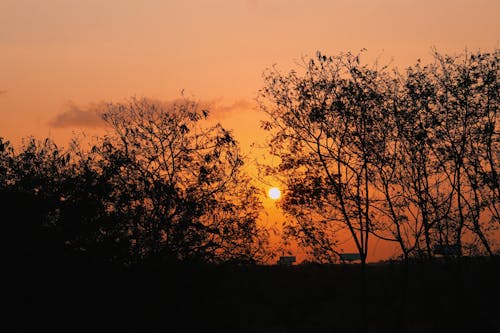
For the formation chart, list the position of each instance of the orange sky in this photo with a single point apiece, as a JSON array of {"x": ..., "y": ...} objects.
[{"x": 58, "y": 58}]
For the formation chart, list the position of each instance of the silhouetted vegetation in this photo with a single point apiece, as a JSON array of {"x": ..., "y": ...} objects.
[
  {"x": 159, "y": 187},
  {"x": 409, "y": 157}
]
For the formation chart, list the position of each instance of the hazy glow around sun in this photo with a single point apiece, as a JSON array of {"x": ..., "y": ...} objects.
[{"x": 274, "y": 193}]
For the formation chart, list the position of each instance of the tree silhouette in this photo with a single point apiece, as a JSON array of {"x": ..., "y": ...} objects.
[
  {"x": 410, "y": 158},
  {"x": 324, "y": 124},
  {"x": 160, "y": 186},
  {"x": 29, "y": 183},
  {"x": 446, "y": 126},
  {"x": 182, "y": 183}
]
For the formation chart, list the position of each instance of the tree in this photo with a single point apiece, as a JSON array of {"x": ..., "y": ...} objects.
[
  {"x": 181, "y": 184},
  {"x": 29, "y": 189},
  {"x": 461, "y": 111},
  {"x": 324, "y": 132}
]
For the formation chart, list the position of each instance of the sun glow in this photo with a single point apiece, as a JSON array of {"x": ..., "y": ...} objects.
[{"x": 274, "y": 193}]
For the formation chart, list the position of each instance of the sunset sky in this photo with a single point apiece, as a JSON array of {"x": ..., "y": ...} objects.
[{"x": 59, "y": 59}]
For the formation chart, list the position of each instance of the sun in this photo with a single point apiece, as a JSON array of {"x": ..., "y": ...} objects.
[{"x": 274, "y": 193}]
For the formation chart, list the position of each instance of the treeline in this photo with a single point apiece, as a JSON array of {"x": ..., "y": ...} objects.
[
  {"x": 160, "y": 187},
  {"x": 364, "y": 150},
  {"x": 409, "y": 157}
]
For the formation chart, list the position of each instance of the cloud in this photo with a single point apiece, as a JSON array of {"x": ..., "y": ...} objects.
[
  {"x": 2, "y": 92},
  {"x": 241, "y": 104},
  {"x": 219, "y": 111},
  {"x": 90, "y": 116},
  {"x": 75, "y": 116}
]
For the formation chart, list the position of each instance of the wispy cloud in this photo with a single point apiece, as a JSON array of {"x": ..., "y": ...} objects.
[
  {"x": 90, "y": 116},
  {"x": 75, "y": 116},
  {"x": 2, "y": 92},
  {"x": 220, "y": 111}
]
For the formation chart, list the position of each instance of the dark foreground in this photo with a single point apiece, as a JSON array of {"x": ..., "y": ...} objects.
[{"x": 439, "y": 297}]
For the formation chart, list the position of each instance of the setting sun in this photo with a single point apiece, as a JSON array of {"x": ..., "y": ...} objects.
[{"x": 274, "y": 193}]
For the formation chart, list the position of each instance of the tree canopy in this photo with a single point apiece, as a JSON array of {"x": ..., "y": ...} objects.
[
  {"x": 408, "y": 157},
  {"x": 160, "y": 185}
]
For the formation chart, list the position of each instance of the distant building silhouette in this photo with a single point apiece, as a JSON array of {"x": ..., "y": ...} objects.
[
  {"x": 349, "y": 257},
  {"x": 286, "y": 260}
]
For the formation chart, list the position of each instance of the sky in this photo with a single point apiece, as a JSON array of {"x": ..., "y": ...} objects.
[{"x": 60, "y": 59}]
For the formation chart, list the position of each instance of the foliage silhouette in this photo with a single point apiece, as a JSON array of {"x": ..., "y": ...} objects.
[
  {"x": 410, "y": 158},
  {"x": 160, "y": 187}
]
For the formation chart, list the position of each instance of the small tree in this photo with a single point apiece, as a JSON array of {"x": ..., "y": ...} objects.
[{"x": 30, "y": 184}]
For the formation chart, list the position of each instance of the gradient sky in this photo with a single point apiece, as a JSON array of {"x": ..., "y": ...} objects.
[{"x": 60, "y": 58}]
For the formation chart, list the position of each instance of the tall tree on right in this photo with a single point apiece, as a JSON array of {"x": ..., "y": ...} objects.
[{"x": 453, "y": 145}]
